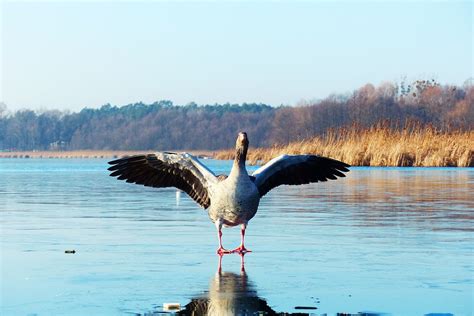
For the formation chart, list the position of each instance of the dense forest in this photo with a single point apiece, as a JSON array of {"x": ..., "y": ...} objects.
[{"x": 165, "y": 126}]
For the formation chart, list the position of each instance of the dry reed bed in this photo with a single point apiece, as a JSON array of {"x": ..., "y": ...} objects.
[{"x": 379, "y": 146}]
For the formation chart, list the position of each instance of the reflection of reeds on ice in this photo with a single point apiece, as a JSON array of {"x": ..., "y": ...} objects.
[{"x": 380, "y": 146}]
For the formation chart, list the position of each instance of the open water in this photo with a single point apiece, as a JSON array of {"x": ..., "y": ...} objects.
[{"x": 383, "y": 240}]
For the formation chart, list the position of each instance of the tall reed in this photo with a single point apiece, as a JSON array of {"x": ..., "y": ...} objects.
[{"x": 380, "y": 145}]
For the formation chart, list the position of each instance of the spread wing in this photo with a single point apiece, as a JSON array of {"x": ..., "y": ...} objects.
[
  {"x": 297, "y": 169},
  {"x": 159, "y": 170}
]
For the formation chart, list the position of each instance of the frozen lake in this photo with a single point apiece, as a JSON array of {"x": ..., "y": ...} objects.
[{"x": 382, "y": 240}]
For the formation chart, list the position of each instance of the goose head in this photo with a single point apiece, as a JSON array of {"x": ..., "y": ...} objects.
[{"x": 241, "y": 147}]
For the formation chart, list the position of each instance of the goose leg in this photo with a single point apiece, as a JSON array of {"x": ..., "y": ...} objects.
[
  {"x": 221, "y": 250},
  {"x": 241, "y": 248}
]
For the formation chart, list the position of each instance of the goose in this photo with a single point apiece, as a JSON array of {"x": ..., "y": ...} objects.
[{"x": 230, "y": 200}]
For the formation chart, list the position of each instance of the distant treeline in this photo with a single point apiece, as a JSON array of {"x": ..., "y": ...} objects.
[{"x": 162, "y": 125}]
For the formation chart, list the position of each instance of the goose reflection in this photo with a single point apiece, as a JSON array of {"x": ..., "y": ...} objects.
[{"x": 229, "y": 294}]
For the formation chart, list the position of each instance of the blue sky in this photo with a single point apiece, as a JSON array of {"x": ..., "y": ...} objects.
[{"x": 69, "y": 55}]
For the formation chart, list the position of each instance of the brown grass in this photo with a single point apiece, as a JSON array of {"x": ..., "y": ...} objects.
[{"x": 379, "y": 146}]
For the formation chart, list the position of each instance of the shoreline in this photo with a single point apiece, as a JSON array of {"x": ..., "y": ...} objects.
[
  {"x": 376, "y": 147},
  {"x": 227, "y": 154},
  {"x": 90, "y": 154}
]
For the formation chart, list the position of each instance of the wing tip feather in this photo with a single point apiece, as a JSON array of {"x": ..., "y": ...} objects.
[{"x": 171, "y": 172}]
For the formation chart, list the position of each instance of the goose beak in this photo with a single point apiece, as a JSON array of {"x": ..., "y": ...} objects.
[{"x": 242, "y": 140}]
